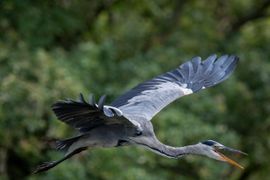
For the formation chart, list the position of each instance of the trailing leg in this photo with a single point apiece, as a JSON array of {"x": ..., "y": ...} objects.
[{"x": 48, "y": 165}]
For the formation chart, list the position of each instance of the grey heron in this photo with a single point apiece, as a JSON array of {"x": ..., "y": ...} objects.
[{"x": 127, "y": 120}]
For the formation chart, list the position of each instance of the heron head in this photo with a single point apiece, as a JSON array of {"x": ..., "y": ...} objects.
[{"x": 213, "y": 149}]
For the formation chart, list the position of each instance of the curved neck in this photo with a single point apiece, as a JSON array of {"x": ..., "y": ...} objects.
[{"x": 172, "y": 152}]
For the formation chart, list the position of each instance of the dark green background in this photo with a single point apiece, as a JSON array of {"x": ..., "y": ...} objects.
[{"x": 51, "y": 50}]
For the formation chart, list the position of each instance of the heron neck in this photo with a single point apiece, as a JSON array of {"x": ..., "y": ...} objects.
[
  {"x": 172, "y": 152},
  {"x": 176, "y": 152}
]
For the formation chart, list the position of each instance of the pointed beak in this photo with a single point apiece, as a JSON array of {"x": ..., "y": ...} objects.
[{"x": 228, "y": 160}]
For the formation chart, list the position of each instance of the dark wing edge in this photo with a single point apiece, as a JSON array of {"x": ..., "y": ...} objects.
[
  {"x": 149, "y": 97},
  {"x": 84, "y": 116}
]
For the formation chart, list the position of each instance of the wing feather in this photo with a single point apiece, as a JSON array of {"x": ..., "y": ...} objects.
[
  {"x": 148, "y": 98},
  {"x": 85, "y": 116}
]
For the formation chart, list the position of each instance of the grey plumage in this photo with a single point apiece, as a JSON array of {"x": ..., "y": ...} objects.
[
  {"x": 85, "y": 116},
  {"x": 126, "y": 120},
  {"x": 148, "y": 98}
]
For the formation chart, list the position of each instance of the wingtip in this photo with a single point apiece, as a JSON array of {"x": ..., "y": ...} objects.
[
  {"x": 81, "y": 98},
  {"x": 213, "y": 55},
  {"x": 235, "y": 57}
]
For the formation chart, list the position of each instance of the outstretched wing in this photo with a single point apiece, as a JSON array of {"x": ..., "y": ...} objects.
[
  {"x": 148, "y": 98},
  {"x": 85, "y": 116}
]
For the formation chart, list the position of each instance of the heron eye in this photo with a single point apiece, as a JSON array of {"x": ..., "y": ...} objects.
[{"x": 138, "y": 133}]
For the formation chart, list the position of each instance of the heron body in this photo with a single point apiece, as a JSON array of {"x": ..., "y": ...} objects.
[{"x": 127, "y": 120}]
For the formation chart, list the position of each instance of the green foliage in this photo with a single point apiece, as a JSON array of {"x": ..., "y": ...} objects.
[{"x": 50, "y": 50}]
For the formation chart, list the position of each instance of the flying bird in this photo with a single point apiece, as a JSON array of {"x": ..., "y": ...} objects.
[{"x": 127, "y": 120}]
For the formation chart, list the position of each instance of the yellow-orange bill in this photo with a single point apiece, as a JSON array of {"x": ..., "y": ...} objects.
[{"x": 232, "y": 162}]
